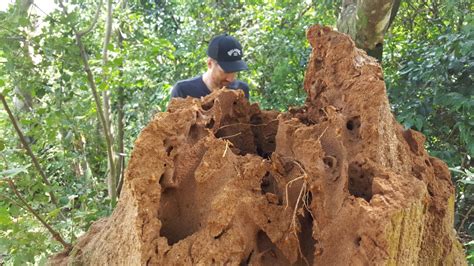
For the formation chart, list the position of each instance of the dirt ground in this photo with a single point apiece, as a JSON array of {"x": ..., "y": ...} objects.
[{"x": 336, "y": 181}]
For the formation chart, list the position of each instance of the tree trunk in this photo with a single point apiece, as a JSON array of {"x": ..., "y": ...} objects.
[
  {"x": 100, "y": 111},
  {"x": 112, "y": 177},
  {"x": 120, "y": 118},
  {"x": 366, "y": 22}
]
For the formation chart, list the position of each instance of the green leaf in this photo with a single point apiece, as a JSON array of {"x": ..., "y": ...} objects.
[
  {"x": 54, "y": 213},
  {"x": 118, "y": 61},
  {"x": 14, "y": 171},
  {"x": 408, "y": 123},
  {"x": 456, "y": 170},
  {"x": 5, "y": 218},
  {"x": 466, "y": 182}
]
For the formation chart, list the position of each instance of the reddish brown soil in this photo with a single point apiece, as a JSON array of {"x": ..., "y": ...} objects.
[{"x": 335, "y": 182}]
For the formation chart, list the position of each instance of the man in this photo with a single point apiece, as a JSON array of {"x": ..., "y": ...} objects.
[{"x": 223, "y": 62}]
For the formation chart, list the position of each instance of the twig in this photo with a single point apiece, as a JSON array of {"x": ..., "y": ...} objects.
[
  {"x": 302, "y": 196},
  {"x": 61, "y": 5},
  {"x": 465, "y": 218},
  {"x": 55, "y": 234},
  {"x": 231, "y": 136},
  {"x": 288, "y": 185},
  {"x": 175, "y": 22},
  {"x": 46, "y": 15},
  {"x": 306, "y": 205},
  {"x": 96, "y": 17},
  {"x": 12, "y": 200},
  {"x": 226, "y": 147},
  {"x": 320, "y": 136},
  {"x": 293, "y": 220},
  {"x": 304, "y": 176},
  {"x": 91, "y": 26},
  {"x": 121, "y": 177}
]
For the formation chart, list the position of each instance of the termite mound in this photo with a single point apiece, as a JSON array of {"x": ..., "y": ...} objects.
[{"x": 336, "y": 181}]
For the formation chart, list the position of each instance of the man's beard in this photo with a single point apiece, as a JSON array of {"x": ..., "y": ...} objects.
[{"x": 224, "y": 84}]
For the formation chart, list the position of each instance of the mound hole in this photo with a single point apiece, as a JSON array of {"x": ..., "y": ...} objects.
[
  {"x": 207, "y": 106},
  {"x": 247, "y": 260},
  {"x": 360, "y": 182},
  {"x": 256, "y": 136},
  {"x": 307, "y": 242},
  {"x": 269, "y": 252},
  {"x": 268, "y": 184},
  {"x": 306, "y": 120},
  {"x": 353, "y": 124},
  {"x": 330, "y": 161},
  {"x": 210, "y": 124},
  {"x": 357, "y": 241},
  {"x": 168, "y": 150}
]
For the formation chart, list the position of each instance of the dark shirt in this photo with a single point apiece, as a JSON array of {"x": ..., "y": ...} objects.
[{"x": 195, "y": 87}]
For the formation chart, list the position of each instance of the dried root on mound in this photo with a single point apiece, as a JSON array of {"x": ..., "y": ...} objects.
[{"x": 335, "y": 182}]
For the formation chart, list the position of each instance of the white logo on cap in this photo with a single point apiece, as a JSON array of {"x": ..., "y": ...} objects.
[{"x": 234, "y": 52}]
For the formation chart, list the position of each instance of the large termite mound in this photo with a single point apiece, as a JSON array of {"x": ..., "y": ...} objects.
[{"x": 335, "y": 182}]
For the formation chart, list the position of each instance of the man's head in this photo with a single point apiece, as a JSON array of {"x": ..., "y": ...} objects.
[{"x": 224, "y": 60}]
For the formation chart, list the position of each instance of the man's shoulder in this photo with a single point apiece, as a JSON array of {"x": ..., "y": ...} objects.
[
  {"x": 193, "y": 87},
  {"x": 190, "y": 81},
  {"x": 239, "y": 84}
]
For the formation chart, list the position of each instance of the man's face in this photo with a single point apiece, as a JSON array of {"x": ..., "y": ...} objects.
[{"x": 218, "y": 76}]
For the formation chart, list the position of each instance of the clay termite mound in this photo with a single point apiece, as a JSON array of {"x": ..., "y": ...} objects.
[{"x": 335, "y": 182}]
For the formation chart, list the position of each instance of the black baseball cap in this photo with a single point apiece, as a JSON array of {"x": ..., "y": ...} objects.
[{"x": 227, "y": 51}]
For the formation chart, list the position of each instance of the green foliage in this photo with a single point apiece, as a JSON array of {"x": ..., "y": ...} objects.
[
  {"x": 46, "y": 86},
  {"x": 470, "y": 252},
  {"x": 428, "y": 65},
  {"x": 464, "y": 179},
  {"x": 429, "y": 76}
]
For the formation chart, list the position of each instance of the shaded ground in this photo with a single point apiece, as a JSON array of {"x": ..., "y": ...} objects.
[{"x": 335, "y": 182}]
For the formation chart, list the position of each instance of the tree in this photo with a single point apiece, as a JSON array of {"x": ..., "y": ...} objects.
[{"x": 367, "y": 22}]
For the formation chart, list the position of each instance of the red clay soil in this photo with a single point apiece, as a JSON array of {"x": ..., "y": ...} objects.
[{"x": 335, "y": 182}]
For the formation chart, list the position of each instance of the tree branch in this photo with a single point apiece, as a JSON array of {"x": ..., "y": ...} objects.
[
  {"x": 465, "y": 218},
  {"x": 12, "y": 201},
  {"x": 96, "y": 17},
  {"x": 100, "y": 111},
  {"x": 97, "y": 100},
  {"x": 394, "y": 12},
  {"x": 175, "y": 22},
  {"x": 108, "y": 32},
  {"x": 91, "y": 26},
  {"x": 294, "y": 21},
  {"x": 27, "y": 147},
  {"x": 54, "y": 233}
]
